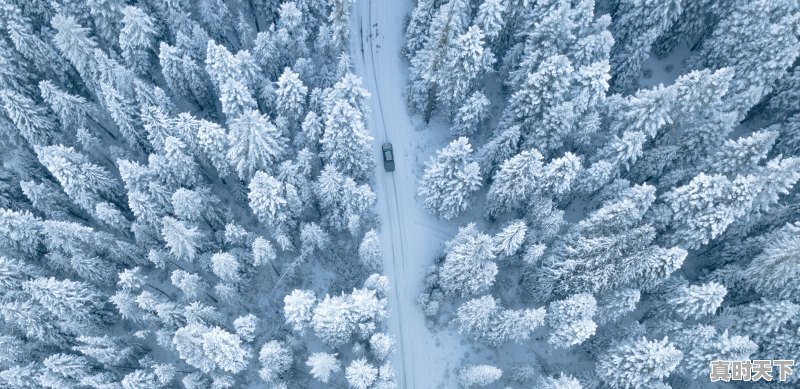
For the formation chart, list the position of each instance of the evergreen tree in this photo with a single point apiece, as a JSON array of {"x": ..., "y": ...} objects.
[
  {"x": 76, "y": 45},
  {"x": 191, "y": 285},
  {"x": 20, "y": 30},
  {"x": 466, "y": 61},
  {"x": 20, "y": 376},
  {"x": 470, "y": 115},
  {"x": 226, "y": 267},
  {"x": 468, "y": 268},
  {"x": 83, "y": 181},
  {"x": 106, "y": 15},
  {"x": 122, "y": 111},
  {"x": 175, "y": 167},
  {"x": 182, "y": 241},
  {"x": 275, "y": 360},
  {"x": 274, "y": 203},
  {"x": 339, "y": 21},
  {"x": 139, "y": 379},
  {"x": 208, "y": 347},
  {"x": 449, "y": 21},
  {"x": 361, "y": 374},
  {"x": 571, "y": 320},
  {"x": 183, "y": 74},
  {"x": 768, "y": 315},
  {"x": 563, "y": 381},
  {"x": 136, "y": 38},
  {"x": 774, "y": 270},
  {"x": 291, "y": 95},
  {"x": 541, "y": 107},
  {"x": 449, "y": 180},
  {"x": 483, "y": 318},
  {"x": 212, "y": 143},
  {"x": 509, "y": 241},
  {"x": 704, "y": 208},
  {"x": 345, "y": 141},
  {"x": 787, "y": 90},
  {"x": 332, "y": 320},
  {"x": 344, "y": 203},
  {"x": 369, "y": 251},
  {"x": 298, "y": 309},
  {"x": 648, "y": 362},
  {"x": 33, "y": 122},
  {"x": 322, "y": 365},
  {"x": 604, "y": 250},
  {"x": 246, "y": 327},
  {"x": 702, "y": 343},
  {"x": 741, "y": 155},
  {"x": 418, "y": 25},
  {"x": 381, "y": 345},
  {"x": 221, "y": 64},
  {"x": 616, "y": 305},
  {"x": 491, "y": 17},
  {"x": 693, "y": 25},
  {"x": 696, "y": 301},
  {"x": 32, "y": 321},
  {"x": 77, "y": 305},
  {"x": 504, "y": 145},
  {"x": 255, "y": 144},
  {"x": 263, "y": 252},
  {"x": 235, "y": 98},
  {"x": 60, "y": 370},
  {"x": 478, "y": 375}
]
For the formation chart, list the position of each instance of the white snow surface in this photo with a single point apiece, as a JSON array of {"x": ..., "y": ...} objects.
[{"x": 411, "y": 238}]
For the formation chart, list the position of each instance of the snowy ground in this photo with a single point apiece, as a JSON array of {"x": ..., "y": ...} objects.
[{"x": 411, "y": 238}]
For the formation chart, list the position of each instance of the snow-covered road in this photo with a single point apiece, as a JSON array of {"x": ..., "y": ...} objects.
[{"x": 411, "y": 238}]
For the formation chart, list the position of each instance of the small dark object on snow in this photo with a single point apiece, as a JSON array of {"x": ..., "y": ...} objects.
[{"x": 388, "y": 157}]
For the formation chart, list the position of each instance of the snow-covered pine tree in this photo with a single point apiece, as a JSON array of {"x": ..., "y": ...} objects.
[
  {"x": 137, "y": 38},
  {"x": 696, "y": 301},
  {"x": 563, "y": 381},
  {"x": 449, "y": 21},
  {"x": 468, "y": 268},
  {"x": 345, "y": 140},
  {"x": 478, "y": 375},
  {"x": 467, "y": 60},
  {"x": 648, "y": 362},
  {"x": 255, "y": 144},
  {"x": 469, "y": 117},
  {"x": 275, "y": 360},
  {"x": 704, "y": 208},
  {"x": 449, "y": 180},
  {"x": 323, "y": 365},
  {"x": 571, "y": 320}
]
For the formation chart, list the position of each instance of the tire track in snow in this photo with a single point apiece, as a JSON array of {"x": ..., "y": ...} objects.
[{"x": 406, "y": 375}]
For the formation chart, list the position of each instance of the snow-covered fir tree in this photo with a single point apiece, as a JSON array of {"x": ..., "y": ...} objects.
[{"x": 449, "y": 180}]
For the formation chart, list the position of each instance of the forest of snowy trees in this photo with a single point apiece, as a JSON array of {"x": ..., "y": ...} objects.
[
  {"x": 638, "y": 232},
  {"x": 185, "y": 198},
  {"x": 187, "y": 192}
]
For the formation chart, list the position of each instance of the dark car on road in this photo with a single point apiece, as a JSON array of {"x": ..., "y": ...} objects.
[{"x": 388, "y": 157}]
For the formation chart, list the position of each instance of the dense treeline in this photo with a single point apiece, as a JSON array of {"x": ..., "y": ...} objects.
[
  {"x": 655, "y": 225},
  {"x": 171, "y": 170}
]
